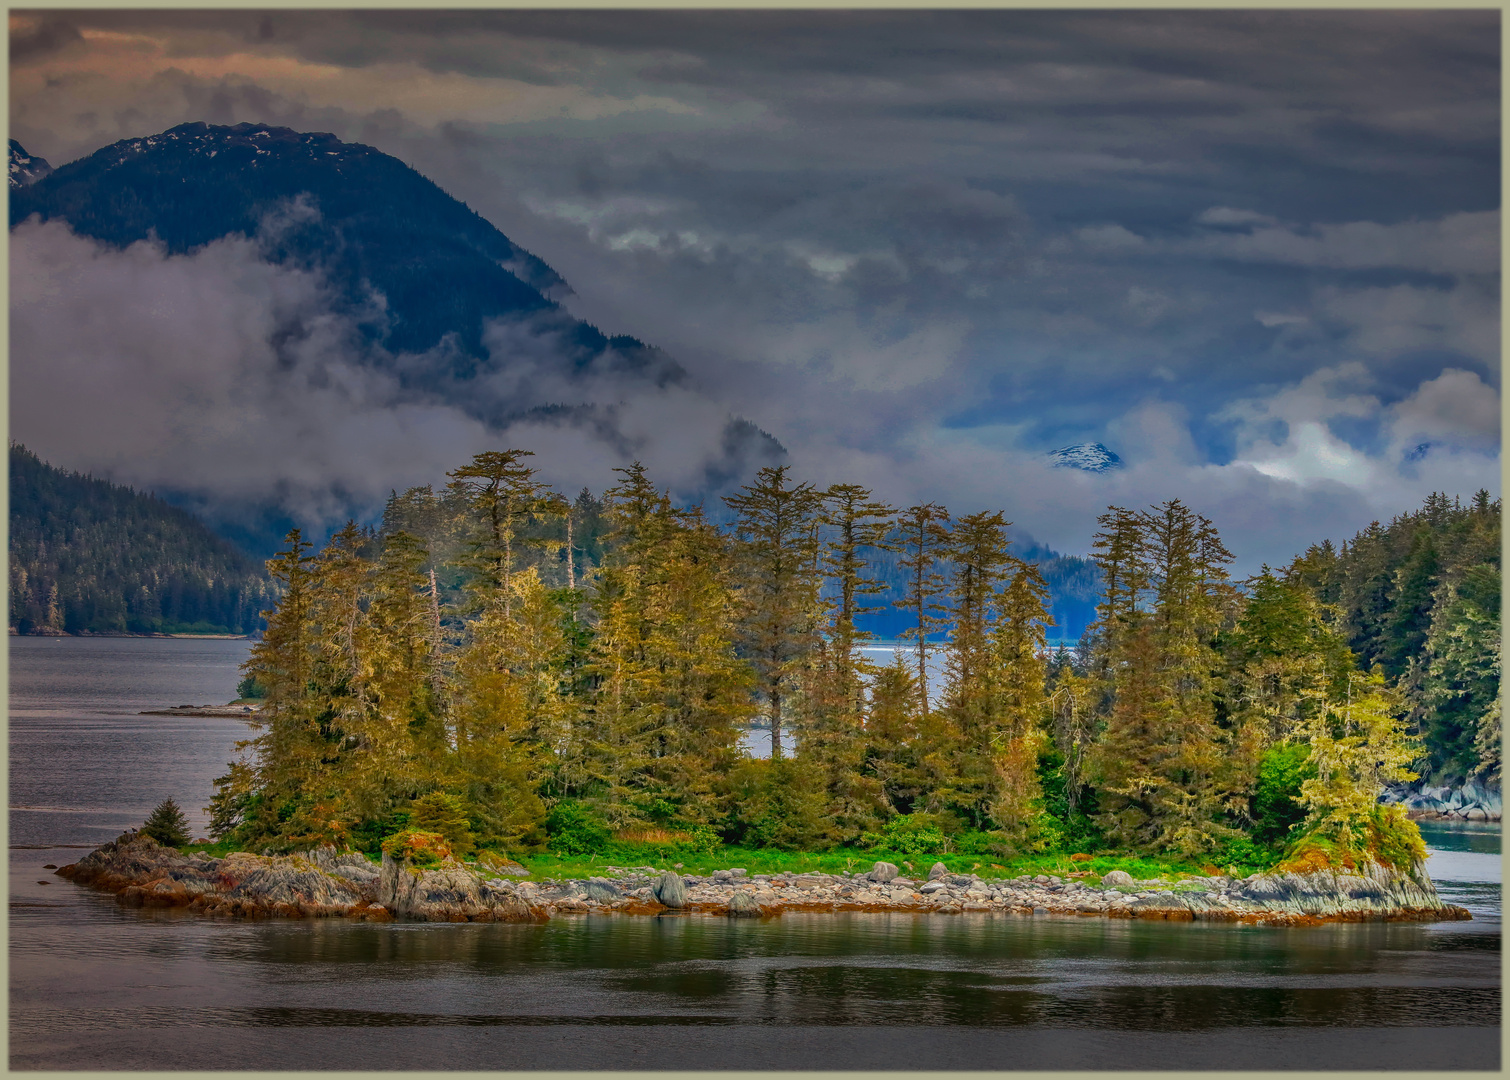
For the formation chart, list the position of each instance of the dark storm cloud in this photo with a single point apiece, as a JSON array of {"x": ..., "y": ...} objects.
[{"x": 922, "y": 247}]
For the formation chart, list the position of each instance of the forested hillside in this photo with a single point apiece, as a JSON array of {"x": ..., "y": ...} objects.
[
  {"x": 1420, "y": 597},
  {"x": 88, "y": 555},
  {"x": 501, "y": 666}
]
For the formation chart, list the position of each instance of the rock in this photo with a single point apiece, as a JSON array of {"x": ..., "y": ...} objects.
[
  {"x": 501, "y": 865},
  {"x": 671, "y": 890},
  {"x": 937, "y": 871},
  {"x": 933, "y": 887},
  {"x": 1116, "y": 877},
  {"x": 448, "y": 893},
  {"x": 963, "y": 881},
  {"x": 738, "y": 871},
  {"x": 742, "y": 905},
  {"x": 722, "y": 876},
  {"x": 882, "y": 872},
  {"x": 602, "y": 891},
  {"x": 1476, "y": 813}
]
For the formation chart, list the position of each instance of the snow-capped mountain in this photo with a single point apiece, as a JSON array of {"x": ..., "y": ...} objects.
[
  {"x": 1088, "y": 457},
  {"x": 24, "y": 168}
]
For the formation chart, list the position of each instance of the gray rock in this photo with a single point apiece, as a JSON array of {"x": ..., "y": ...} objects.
[
  {"x": 722, "y": 876},
  {"x": 742, "y": 905},
  {"x": 882, "y": 871},
  {"x": 1476, "y": 813},
  {"x": 1116, "y": 877},
  {"x": 602, "y": 891},
  {"x": 738, "y": 871},
  {"x": 963, "y": 881},
  {"x": 671, "y": 890},
  {"x": 937, "y": 871}
]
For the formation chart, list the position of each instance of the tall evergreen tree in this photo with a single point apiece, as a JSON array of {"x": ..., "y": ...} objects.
[
  {"x": 922, "y": 536},
  {"x": 780, "y": 592}
]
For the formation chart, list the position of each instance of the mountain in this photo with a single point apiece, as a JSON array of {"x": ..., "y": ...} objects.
[
  {"x": 1087, "y": 457},
  {"x": 418, "y": 271},
  {"x": 88, "y": 555},
  {"x": 25, "y": 169}
]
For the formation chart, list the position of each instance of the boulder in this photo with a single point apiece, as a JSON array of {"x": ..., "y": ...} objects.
[
  {"x": 670, "y": 890},
  {"x": 937, "y": 871},
  {"x": 882, "y": 872},
  {"x": 448, "y": 893},
  {"x": 1115, "y": 878},
  {"x": 1476, "y": 813},
  {"x": 604, "y": 892},
  {"x": 742, "y": 905}
]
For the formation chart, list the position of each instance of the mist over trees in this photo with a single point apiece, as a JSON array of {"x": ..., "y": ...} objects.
[{"x": 537, "y": 669}]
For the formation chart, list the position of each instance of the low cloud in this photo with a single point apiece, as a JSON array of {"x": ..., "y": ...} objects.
[{"x": 231, "y": 381}]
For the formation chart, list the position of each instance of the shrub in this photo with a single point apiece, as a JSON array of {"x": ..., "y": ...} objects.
[
  {"x": 422, "y": 849},
  {"x": 910, "y": 834},
  {"x": 778, "y": 804},
  {"x": 167, "y": 825},
  {"x": 443, "y": 813},
  {"x": 574, "y": 830},
  {"x": 249, "y": 689},
  {"x": 1394, "y": 840}
]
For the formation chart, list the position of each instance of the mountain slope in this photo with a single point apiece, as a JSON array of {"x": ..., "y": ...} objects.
[
  {"x": 369, "y": 222},
  {"x": 24, "y": 168},
  {"x": 87, "y": 555}
]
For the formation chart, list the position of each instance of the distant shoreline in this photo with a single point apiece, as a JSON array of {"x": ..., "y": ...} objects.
[{"x": 126, "y": 633}]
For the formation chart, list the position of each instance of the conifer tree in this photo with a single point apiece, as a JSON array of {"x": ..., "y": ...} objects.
[
  {"x": 779, "y": 590},
  {"x": 503, "y": 495},
  {"x": 670, "y": 692},
  {"x": 972, "y": 701},
  {"x": 922, "y": 536},
  {"x": 1019, "y": 641},
  {"x": 288, "y": 754},
  {"x": 1160, "y": 763},
  {"x": 167, "y": 825},
  {"x": 1358, "y": 745}
]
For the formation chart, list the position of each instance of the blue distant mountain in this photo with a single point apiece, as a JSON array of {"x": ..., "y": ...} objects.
[{"x": 1087, "y": 457}]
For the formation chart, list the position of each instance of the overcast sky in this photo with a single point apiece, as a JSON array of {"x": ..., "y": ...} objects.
[{"x": 1255, "y": 254}]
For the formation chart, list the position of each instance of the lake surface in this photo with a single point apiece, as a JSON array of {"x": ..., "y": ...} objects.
[{"x": 95, "y": 986}]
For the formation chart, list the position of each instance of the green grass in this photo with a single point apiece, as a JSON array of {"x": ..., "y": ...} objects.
[
  {"x": 766, "y": 861},
  {"x": 545, "y": 866}
]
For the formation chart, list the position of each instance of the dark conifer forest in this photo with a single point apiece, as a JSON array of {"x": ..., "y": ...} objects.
[{"x": 90, "y": 556}]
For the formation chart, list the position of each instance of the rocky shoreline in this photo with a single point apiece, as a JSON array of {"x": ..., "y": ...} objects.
[
  {"x": 1472, "y": 800},
  {"x": 324, "y": 883}
]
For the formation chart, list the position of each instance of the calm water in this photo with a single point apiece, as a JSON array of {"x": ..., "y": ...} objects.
[{"x": 94, "y": 986}]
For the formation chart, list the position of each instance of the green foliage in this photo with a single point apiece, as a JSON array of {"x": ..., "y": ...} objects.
[
  {"x": 910, "y": 834},
  {"x": 367, "y": 836},
  {"x": 249, "y": 689},
  {"x": 167, "y": 825},
  {"x": 574, "y": 830},
  {"x": 1387, "y": 837},
  {"x": 1276, "y": 801},
  {"x": 87, "y": 555},
  {"x": 424, "y": 850},
  {"x": 777, "y": 804},
  {"x": 444, "y": 814}
]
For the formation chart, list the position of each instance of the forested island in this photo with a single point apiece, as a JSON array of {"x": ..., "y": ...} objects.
[{"x": 497, "y": 669}]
